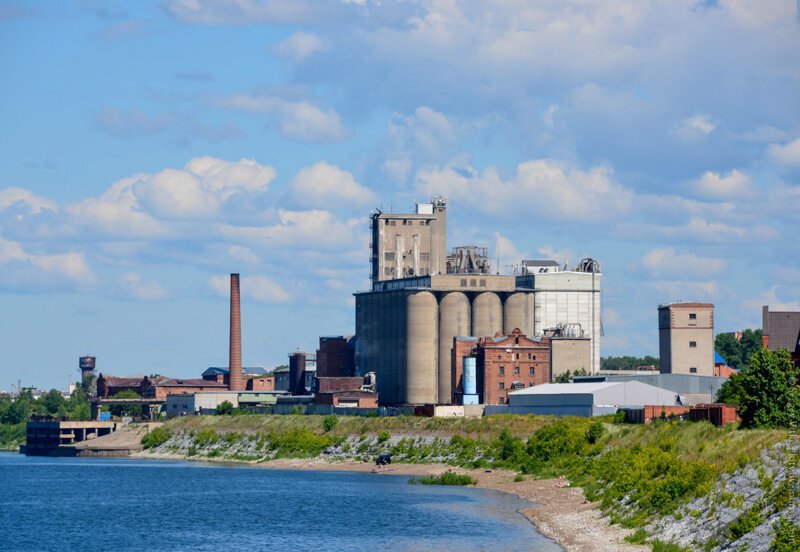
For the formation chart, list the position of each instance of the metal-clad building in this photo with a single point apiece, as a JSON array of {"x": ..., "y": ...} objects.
[
  {"x": 692, "y": 389},
  {"x": 586, "y": 399}
]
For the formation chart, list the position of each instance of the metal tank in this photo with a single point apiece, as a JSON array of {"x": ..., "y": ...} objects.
[
  {"x": 454, "y": 320},
  {"x": 487, "y": 314},
  {"x": 422, "y": 339},
  {"x": 297, "y": 373},
  {"x": 470, "y": 376},
  {"x": 518, "y": 313}
]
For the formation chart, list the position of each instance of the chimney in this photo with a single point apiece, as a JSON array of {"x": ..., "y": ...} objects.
[{"x": 235, "y": 381}]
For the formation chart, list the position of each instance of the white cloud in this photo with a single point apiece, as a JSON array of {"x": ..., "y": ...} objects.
[
  {"x": 323, "y": 185},
  {"x": 506, "y": 252},
  {"x": 314, "y": 230},
  {"x": 561, "y": 255},
  {"x": 243, "y": 254},
  {"x": 716, "y": 185},
  {"x": 300, "y": 46},
  {"x": 770, "y": 298},
  {"x": 667, "y": 262},
  {"x": 257, "y": 288},
  {"x": 786, "y": 154},
  {"x": 133, "y": 285},
  {"x": 700, "y": 123},
  {"x": 32, "y": 202},
  {"x": 542, "y": 188},
  {"x": 296, "y": 119},
  {"x": 23, "y": 271}
]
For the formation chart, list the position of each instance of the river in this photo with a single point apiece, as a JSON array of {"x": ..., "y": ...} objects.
[{"x": 125, "y": 504}]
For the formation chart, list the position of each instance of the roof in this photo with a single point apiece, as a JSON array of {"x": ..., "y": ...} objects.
[
  {"x": 540, "y": 263},
  {"x": 783, "y": 329},
  {"x": 565, "y": 388},
  {"x": 686, "y": 305},
  {"x": 115, "y": 381},
  {"x": 247, "y": 370},
  {"x": 718, "y": 359},
  {"x": 190, "y": 383}
]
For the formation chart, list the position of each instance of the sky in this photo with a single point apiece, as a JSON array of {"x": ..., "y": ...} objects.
[{"x": 149, "y": 149}]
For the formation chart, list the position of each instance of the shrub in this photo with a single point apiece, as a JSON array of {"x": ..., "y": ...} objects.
[
  {"x": 660, "y": 546},
  {"x": 447, "y": 478},
  {"x": 156, "y": 438},
  {"x": 225, "y": 408},
  {"x": 746, "y": 522},
  {"x": 329, "y": 422},
  {"x": 383, "y": 436},
  {"x": 787, "y": 536},
  {"x": 637, "y": 537},
  {"x": 205, "y": 437},
  {"x": 595, "y": 432}
]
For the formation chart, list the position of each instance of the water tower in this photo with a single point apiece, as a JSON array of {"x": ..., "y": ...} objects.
[{"x": 86, "y": 366}]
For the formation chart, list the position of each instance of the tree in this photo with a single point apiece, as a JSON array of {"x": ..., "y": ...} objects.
[
  {"x": 128, "y": 409},
  {"x": 729, "y": 348},
  {"x": 225, "y": 408},
  {"x": 53, "y": 402},
  {"x": 769, "y": 397},
  {"x": 730, "y": 392}
]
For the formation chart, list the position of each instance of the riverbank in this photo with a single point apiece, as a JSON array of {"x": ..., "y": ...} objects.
[{"x": 561, "y": 513}]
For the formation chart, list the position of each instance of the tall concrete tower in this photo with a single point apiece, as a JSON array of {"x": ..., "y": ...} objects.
[
  {"x": 686, "y": 338},
  {"x": 235, "y": 380}
]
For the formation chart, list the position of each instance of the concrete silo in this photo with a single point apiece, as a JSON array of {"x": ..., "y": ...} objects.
[
  {"x": 518, "y": 313},
  {"x": 487, "y": 314},
  {"x": 454, "y": 320},
  {"x": 422, "y": 351}
]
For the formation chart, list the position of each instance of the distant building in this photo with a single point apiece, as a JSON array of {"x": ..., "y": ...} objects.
[
  {"x": 686, "y": 338},
  {"x": 503, "y": 363},
  {"x": 336, "y": 357},
  {"x": 691, "y": 388},
  {"x": 255, "y": 378},
  {"x": 781, "y": 330},
  {"x": 468, "y": 259},
  {"x": 283, "y": 379},
  {"x": 411, "y": 244}
]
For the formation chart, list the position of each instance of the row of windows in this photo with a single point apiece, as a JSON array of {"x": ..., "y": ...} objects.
[
  {"x": 517, "y": 356},
  {"x": 502, "y": 371},
  {"x": 515, "y": 385},
  {"x": 390, "y": 256},
  {"x": 408, "y": 222},
  {"x": 473, "y": 282}
]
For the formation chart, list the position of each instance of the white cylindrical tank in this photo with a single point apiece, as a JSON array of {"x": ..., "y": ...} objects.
[
  {"x": 422, "y": 348},
  {"x": 454, "y": 320},
  {"x": 518, "y": 313},
  {"x": 487, "y": 314},
  {"x": 470, "y": 376}
]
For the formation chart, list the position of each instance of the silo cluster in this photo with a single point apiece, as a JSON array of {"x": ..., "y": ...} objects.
[{"x": 406, "y": 335}]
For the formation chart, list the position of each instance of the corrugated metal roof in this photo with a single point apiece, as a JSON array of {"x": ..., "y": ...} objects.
[{"x": 565, "y": 388}]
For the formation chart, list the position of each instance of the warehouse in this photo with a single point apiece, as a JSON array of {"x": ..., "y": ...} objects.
[{"x": 585, "y": 399}]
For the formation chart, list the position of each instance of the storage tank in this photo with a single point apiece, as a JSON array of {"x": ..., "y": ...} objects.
[
  {"x": 454, "y": 320},
  {"x": 518, "y": 313},
  {"x": 470, "y": 376},
  {"x": 487, "y": 314},
  {"x": 422, "y": 352},
  {"x": 297, "y": 374}
]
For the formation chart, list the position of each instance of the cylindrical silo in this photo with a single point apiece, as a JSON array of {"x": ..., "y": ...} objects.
[
  {"x": 454, "y": 320},
  {"x": 470, "y": 376},
  {"x": 518, "y": 313},
  {"x": 422, "y": 351},
  {"x": 487, "y": 314}
]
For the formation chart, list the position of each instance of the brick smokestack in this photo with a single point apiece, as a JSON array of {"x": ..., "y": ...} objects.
[{"x": 235, "y": 380}]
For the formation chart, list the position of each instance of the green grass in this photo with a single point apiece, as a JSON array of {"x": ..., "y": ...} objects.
[
  {"x": 637, "y": 537},
  {"x": 447, "y": 478}
]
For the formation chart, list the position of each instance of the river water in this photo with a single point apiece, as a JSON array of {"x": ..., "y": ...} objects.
[{"x": 124, "y": 504}]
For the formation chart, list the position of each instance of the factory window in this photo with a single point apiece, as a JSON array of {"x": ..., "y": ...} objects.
[
  {"x": 529, "y": 356},
  {"x": 463, "y": 282},
  {"x": 422, "y": 223},
  {"x": 517, "y": 385},
  {"x": 516, "y": 370},
  {"x": 502, "y": 371},
  {"x": 692, "y": 316},
  {"x": 502, "y": 385},
  {"x": 472, "y": 282},
  {"x": 408, "y": 222},
  {"x": 693, "y": 344},
  {"x": 388, "y": 256},
  {"x": 483, "y": 283},
  {"x": 532, "y": 371},
  {"x": 499, "y": 357},
  {"x": 387, "y": 271},
  {"x": 692, "y": 370},
  {"x": 392, "y": 223}
]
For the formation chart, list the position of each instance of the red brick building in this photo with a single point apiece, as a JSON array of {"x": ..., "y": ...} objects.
[
  {"x": 504, "y": 363},
  {"x": 255, "y": 378},
  {"x": 336, "y": 357}
]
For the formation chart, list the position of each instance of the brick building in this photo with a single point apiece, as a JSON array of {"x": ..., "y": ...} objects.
[
  {"x": 255, "y": 378},
  {"x": 336, "y": 357},
  {"x": 504, "y": 362}
]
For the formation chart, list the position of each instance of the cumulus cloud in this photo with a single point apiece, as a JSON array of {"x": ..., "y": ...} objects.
[
  {"x": 770, "y": 298},
  {"x": 142, "y": 205},
  {"x": 300, "y": 46},
  {"x": 323, "y": 185},
  {"x": 26, "y": 199},
  {"x": 258, "y": 288},
  {"x": 786, "y": 154},
  {"x": 717, "y": 185},
  {"x": 312, "y": 229},
  {"x": 700, "y": 123},
  {"x": 667, "y": 262},
  {"x": 541, "y": 188},
  {"x": 22, "y": 270},
  {"x": 133, "y": 285},
  {"x": 296, "y": 119}
]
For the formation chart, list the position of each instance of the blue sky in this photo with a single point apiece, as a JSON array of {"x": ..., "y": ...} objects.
[{"x": 148, "y": 149}]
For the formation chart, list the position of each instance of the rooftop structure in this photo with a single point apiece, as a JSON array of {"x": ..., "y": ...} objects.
[{"x": 468, "y": 259}]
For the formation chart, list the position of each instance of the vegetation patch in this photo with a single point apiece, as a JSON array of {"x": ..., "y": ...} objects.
[
  {"x": 447, "y": 478},
  {"x": 157, "y": 437}
]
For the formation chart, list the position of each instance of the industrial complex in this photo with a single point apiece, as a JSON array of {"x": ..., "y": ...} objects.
[{"x": 439, "y": 333}]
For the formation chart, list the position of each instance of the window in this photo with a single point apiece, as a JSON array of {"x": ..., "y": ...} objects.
[
  {"x": 387, "y": 271},
  {"x": 502, "y": 385},
  {"x": 692, "y": 370},
  {"x": 532, "y": 371},
  {"x": 499, "y": 357},
  {"x": 483, "y": 282},
  {"x": 422, "y": 223},
  {"x": 692, "y": 316},
  {"x": 516, "y": 370},
  {"x": 388, "y": 256},
  {"x": 463, "y": 282},
  {"x": 517, "y": 385},
  {"x": 502, "y": 371},
  {"x": 529, "y": 356},
  {"x": 408, "y": 222},
  {"x": 693, "y": 344},
  {"x": 424, "y": 256},
  {"x": 472, "y": 282},
  {"x": 392, "y": 223}
]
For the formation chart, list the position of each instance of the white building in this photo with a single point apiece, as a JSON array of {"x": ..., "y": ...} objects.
[{"x": 586, "y": 399}]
